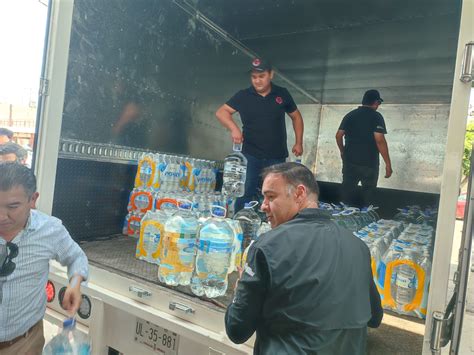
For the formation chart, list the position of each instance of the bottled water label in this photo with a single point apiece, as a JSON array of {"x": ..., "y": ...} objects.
[
  {"x": 209, "y": 246},
  {"x": 149, "y": 244},
  {"x": 178, "y": 251},
  {"x": 405, "y": 282}
]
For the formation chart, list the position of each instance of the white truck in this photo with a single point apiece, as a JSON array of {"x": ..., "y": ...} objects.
[{"x": 123, "y": 77}]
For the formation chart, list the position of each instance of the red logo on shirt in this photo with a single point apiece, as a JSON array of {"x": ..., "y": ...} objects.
[
  {"x": 279, "y": 100},
  {"x": 256, "y": 62}
]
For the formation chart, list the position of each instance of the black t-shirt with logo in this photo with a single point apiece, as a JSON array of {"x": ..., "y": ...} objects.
[
  {"x": 359, "y": 126},
  {"x": 263, "y": 119}
]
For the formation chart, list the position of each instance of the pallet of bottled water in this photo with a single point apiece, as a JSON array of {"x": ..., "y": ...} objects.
[
  {"x": 349, "y": 217},
  {"x": 194, "y": 249},
  {"x": 401, "y": 256},
  {"x": 163, "y": 179}
]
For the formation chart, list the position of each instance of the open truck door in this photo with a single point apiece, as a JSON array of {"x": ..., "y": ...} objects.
[{"x": 447, "y": 325}]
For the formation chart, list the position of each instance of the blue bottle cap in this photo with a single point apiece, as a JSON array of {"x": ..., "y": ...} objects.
[{"x": 68, "y": 323}]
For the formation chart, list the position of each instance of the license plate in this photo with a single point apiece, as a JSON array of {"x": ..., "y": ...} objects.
[{"x": 156, "y": 338}]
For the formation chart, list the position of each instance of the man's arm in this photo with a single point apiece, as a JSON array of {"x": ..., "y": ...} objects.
[
  {"x": 383, "y": 150},
  {"x": 298, "y": 127},
  {"x": 375, "y": 306},
  {"x": 244, "y": 312},
  {"x": 340, "y": 141},
  {"x": 69, "y": 254},
  {"x": 224, "y": 115}
]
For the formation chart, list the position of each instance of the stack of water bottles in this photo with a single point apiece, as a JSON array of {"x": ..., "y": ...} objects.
[
  {"x": 200, "y": 253},
  {"x": 401, "y": 264},
  {"x": 197, "y": 251},
  {"x": 150, "y": 226},
  {"x": 416, "y": 214},
  {"x": 162, "y": 179},
  {"x": 351, "y": 217},
  {"x": 69, "y": 341}
]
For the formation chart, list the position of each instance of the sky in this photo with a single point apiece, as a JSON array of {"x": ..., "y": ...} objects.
[{"x": 22, "y": 32}]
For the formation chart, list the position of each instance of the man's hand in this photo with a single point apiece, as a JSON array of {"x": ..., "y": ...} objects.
[
  {"x": 297, "y": 149},
  {"x": 236, "y": 136},
  {"x": 73, "y": 297},
  {"x": 388, "y": 171}
]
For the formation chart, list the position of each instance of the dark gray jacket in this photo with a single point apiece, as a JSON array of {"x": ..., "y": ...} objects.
[{"x": 307, "y": 288}]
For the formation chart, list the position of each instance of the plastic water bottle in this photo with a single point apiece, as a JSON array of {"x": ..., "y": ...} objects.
[
  {"x": 134, "y": 219},
  {"x": 236, "y": 256},
  {"x": 178, "y": 243},
  {"x": 170, "y": 174},
  {"x": 197, "y": 180},
  {"x": 406, "y": 281},
  {"x": 214, "y": 250},
  {"x": 69, "y": 342},
  {"x": 426, "y": 266},
  {"x": 151, "y": 229},
  {"x": 159, "y": 160},
  {"x": 235, "y": 171},
  {"x": 187, "y": 167},
  {"x": 250, "y": 222},
  {"x": 212, "y": 171},
  {"x": 146, "y": 171},
  {"x": 264, "y": 227}
]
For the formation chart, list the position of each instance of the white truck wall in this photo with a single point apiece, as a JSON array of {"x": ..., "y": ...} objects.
[{"x": 416, "y": 140}]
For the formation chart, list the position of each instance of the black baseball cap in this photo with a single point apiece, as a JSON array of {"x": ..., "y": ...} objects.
[
  {"x": 260, "y": 65},
  {"x": 371, "y": 96}
]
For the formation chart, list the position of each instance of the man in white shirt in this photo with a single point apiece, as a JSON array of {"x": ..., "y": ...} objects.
[{"x": 29, "y": 239}]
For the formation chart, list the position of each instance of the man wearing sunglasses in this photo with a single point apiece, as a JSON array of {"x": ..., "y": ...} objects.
[
  {"x": 29, "y": 239},
  {"x": 360, "y": 138}
]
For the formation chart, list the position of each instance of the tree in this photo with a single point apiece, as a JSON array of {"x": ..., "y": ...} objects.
[{"x": 468, "y": 141}]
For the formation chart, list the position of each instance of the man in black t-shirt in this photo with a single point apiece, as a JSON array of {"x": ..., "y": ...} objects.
[
  {"x": 363, "y": 130},
  {"x": 262, "y": 108}
]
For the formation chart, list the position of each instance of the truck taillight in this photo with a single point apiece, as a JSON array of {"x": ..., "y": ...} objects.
[{"x": 50, "y": 291}]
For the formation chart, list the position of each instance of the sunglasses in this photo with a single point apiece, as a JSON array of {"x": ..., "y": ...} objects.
[{"x": 8, "y": 266}]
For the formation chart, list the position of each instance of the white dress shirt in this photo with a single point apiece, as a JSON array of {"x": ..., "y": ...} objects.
[{"x": 22, "y": 293}]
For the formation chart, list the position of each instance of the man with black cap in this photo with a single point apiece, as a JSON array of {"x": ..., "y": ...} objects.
[
  {"x": 360, "y": 138},
  {"x": 262, "y": 109}
]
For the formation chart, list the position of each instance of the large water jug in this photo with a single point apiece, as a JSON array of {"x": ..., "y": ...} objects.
[
  {"x": 152, "y": 229},
  {"x": 250, "y": 222},
  {"x": 235, "y": 171},
  {"x": 214, "y": 250},
  {"x": 236, "y": 257},
  {"x": 178, "y": 243},
  {"x": 69, "y": 342}
]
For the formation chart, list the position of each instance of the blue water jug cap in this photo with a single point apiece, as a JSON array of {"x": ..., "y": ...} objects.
[
  {"x": 250, "y": 204},
  {"x": 68, "y": 323},
  {"x": 218, "y": 212}
]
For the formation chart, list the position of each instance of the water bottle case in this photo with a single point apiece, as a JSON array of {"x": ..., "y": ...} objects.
[
  {"x": 141, "y": 201},
  {"x": 150, "y": 163},
  {"x": 141, "y": 253},
  {"x": 388, "y": 300}
]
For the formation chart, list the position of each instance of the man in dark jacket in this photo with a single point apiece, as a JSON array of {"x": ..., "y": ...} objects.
[{"x": 307, "y": 286}]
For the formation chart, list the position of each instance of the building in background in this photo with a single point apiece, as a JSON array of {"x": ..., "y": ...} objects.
[{"x": 21, "y": 120}]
